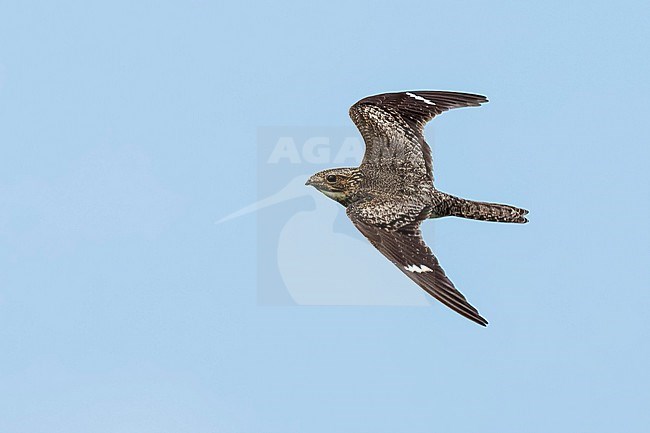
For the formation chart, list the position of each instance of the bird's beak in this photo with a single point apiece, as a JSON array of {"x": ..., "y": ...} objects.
[{"x": 309, "y": 182}]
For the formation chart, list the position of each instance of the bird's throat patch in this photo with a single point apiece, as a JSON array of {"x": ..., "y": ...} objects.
[{"x": 334, "y": 195}]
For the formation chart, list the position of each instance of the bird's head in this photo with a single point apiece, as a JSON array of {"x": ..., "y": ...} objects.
[{"x": 339, "y": 184}]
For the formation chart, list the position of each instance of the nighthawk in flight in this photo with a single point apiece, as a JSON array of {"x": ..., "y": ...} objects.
[{"x": 389, "y": 195}]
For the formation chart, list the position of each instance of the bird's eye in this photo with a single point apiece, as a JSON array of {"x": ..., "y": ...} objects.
[{"x": 331, "y": 178}]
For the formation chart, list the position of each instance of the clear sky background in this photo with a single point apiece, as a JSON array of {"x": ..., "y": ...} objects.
[{"x": 127, "y": 130}]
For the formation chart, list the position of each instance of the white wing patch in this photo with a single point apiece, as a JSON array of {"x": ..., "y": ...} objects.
[
  {"x": 420, "y": 98},
  {"x": 419, "y": 269}
]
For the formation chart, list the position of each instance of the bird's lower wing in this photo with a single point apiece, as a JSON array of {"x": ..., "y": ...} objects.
[{"x": 407, "y": 250}]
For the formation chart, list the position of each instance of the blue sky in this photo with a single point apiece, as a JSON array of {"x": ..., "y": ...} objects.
[{"x": 127, "y": 130}]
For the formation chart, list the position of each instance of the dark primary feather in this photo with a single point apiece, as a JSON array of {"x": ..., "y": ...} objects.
[{"x": 418, "y": 111}]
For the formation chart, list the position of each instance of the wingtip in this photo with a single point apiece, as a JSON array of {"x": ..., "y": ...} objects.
[
  {"x": 480, "y": 99},
  {"x": 480, "y": 320}
]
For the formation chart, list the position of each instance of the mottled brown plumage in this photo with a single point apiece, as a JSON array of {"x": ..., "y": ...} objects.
[{"x": 392, "y": 191}]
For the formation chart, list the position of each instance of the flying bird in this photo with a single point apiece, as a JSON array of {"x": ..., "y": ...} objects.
[{"x": 392, "y": 192}]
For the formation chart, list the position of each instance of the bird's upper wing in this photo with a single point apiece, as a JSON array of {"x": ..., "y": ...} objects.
[
  {"x": 392, "y": 124},
  {"x": 405, "y": 247}
]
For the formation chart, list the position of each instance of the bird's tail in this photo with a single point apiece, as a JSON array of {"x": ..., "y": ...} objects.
[{"x": 478, "y": 210}]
